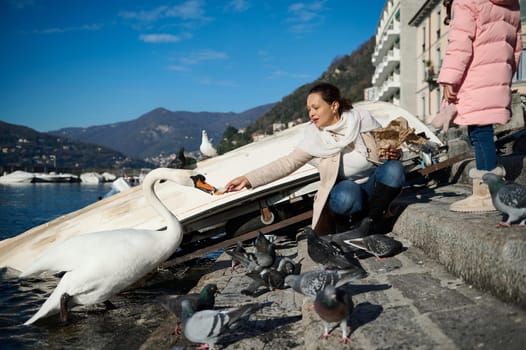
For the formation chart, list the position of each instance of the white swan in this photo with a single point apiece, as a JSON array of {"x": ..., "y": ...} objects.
[
  {"x": 206, "y": 148},
  {"x": 101, "y": 264}
]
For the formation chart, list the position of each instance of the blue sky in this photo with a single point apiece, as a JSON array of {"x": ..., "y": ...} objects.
[{"x": 79, "y": 63}]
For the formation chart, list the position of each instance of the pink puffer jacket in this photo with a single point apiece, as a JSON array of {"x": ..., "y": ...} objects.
[{"x": 484, "y": 46}]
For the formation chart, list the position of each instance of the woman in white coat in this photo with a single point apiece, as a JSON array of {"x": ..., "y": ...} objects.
[{"x": 334, "y": 141}]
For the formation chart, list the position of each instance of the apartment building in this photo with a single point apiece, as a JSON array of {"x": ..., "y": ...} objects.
[
  {"x": 411, "y": 40},
  {"x": 431, "y": 42},
  {"x": 394, "y": 79}
]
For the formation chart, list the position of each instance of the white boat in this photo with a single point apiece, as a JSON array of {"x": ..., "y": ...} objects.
[
  {"x": 17, "y": 177},
  {"x": 91, "y": 178},
  {"x": 109, "y": 177},
  {"x": 201, "y": 214},
  {"x": 54, "y": 177}
]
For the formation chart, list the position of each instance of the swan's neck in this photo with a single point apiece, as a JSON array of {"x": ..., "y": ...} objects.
[{"x": 148, "y": 184}]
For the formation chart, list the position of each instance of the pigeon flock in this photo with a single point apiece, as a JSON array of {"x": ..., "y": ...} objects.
[{"x": 327, "y": 286}]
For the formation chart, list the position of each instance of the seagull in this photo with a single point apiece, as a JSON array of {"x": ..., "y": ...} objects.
[
  {"x": 204, "y": 300},
  {"x": 206, "y": 148},
  {"x": 208, "y": 326},
  {"x": 379, "y": 245},
  {"x": 508, "y": 197},
  {"x": 310, "y": 283},
  {"x": 325, "y": 253},
  {"x": 334, "y": 304},
  {"x": 96, "y": 266}
]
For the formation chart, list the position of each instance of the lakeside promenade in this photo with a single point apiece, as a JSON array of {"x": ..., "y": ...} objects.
[{"x": 459, "y": 284}]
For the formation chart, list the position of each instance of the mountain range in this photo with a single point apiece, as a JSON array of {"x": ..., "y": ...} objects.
[
  {"x": 161, "y": 131},
  {"x": 25, "y": 148}
]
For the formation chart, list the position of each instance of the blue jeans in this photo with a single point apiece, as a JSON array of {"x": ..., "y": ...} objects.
[
  {"x": 347, "y": 197},
  {"x": 481, "y": 137}
]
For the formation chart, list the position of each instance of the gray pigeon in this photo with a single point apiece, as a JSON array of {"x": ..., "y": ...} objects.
[
  {"x": 287, "y": 266},
  {"x": 378, "y": 245},
  {"x": 239, "y": 249},
  {"x": 262, "y": 243},
  {"x": 203, "y": 300},
  {"x": 271, "y": 278},
  {"x": 310, "y": 283},
  {"x": 209, "y": 326},
  {"x": 334, "y": 304},
  {"x": 268, "y": 277},
  {"x": 263, "y": 256},
  {"x": 325, "y": 253},
  {"x": 508, "y": 197},
  {"x": 339, "y": 238}
]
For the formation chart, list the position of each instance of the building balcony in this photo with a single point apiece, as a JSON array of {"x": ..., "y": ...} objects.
[
  {"x": 387, "y": 66},
  {"x": 370, "y": 94},
  {"x": 389, "y": 87},
  {"x": 386, "y": 41}
]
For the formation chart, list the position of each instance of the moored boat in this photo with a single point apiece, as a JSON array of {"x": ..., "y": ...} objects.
[
  {"x": 54, "y": 177},
  {"x": 17, "y": 177},
  {"x": 91, "y": 178}
]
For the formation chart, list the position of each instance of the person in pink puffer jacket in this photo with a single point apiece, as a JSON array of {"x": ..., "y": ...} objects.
[{"x": 484, "y": 46}]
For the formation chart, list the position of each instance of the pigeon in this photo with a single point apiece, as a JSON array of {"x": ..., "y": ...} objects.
[
  {"x": 379, "y": 245},
  {"x": 339, "y": 238},
  {"x": 263, "y": 256},
  {"x": 268, "y": 277},
  {"x": 310, "y": 283},
  {"x": 325, "y": 253},
  {"x": 334, "y": 304},
  {"x": 262, "y": 243},
  {"x": 206, "y": 147},
  {"x": 239, "y": 249},
  {"x": 203, "y": 300},
  {"x": 271, "y": 278},
  {"x": 209, "y": 326},
  {"x": 508, "y": 197},
  {"x": 180, "y": 161},
  {"x": 288, "y": 266}
]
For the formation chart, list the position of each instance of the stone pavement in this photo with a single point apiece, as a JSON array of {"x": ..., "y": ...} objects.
[
  {"x": 408, "y": 301},
  {"x": 460, "y": 283}
]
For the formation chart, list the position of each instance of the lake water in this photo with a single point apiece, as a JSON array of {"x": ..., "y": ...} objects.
[
  {"x": 127, "y": 327},
  {"x": 23, "y": 206}
]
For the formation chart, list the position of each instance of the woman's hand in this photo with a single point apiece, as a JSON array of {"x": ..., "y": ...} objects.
[
  {"x": 237, "y": 184},
  {"x": 390, "y": 154}
]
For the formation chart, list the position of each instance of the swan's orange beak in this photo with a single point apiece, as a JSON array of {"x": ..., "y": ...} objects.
[{"x": 200, "y": 183}]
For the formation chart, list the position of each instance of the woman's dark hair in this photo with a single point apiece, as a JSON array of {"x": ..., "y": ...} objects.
[
  {"x": 330, "y": 93},
  {"x": 447, "y": 4}
]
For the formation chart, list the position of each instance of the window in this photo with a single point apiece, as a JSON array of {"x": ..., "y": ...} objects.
[
  {"x": 423, "y": 107},
  {"x": 439, "y": 59},
  {"x": 439, "y": 24},
  {"x": 424, "y": 39}
]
